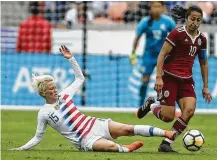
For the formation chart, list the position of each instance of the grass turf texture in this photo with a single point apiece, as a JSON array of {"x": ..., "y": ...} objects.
[{"x": 18, "y": 127}]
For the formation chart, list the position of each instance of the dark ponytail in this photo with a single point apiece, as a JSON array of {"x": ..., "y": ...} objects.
[{"x": 179, "y": 13}]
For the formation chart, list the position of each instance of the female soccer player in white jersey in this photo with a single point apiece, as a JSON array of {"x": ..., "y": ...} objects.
[{"x": 85, "y": 132}]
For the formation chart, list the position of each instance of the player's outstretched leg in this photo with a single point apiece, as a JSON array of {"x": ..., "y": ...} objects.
[
  {"x": 117, "y": 129},
  {"x": 134, "y": 146},
  {"x": 145, "y": 108},
  {"x": 104, "y": 145}
]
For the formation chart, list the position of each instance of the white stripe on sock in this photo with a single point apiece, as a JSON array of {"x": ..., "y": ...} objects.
[
  {"x": 122, "y": 149},
  {"x": 153, "y": 106}
]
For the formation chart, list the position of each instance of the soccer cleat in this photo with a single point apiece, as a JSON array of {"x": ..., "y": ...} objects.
[
  {"x": 134, "y": 146},
  {"x": 170, "y": 134},
  {"x": 165, "y": 147},
  {"x": 145, "y": 108}
]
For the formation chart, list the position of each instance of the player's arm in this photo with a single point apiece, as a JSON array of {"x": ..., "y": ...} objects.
[
  {"x": 204, "y": 67},
  {"x": 139, "y": 31},
  {"x": 135, "y": 43},
  {"x": 79, "y": 77},
  {"x": 41, "y": 128},
  {"x": 167, "y": 47},
  {"x": 204, "y": 72},
  {"x": 132, "y": 56}
]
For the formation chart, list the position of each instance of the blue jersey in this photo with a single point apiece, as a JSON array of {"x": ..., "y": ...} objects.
[{"x": 155, "y": 33}]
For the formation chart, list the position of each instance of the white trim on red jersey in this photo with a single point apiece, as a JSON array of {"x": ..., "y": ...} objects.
[
  {"x": 190, "y": 36},
  {"x": 170, "y": 42}
]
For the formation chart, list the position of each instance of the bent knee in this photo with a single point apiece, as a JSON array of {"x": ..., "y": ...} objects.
[
  {"x": 129, "y": 130},
  {"x": 167, "y": 114},
  {"x": 168, "y": 118},
  {"x": 146, "y": 79}
]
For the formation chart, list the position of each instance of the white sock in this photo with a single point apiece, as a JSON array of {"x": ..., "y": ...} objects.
[
  {"x": 153, "y": 106},
  {"x": 122, "y": 149},
  {"x": 168, "y": 140},
  {"x": 147, "y": 131}
]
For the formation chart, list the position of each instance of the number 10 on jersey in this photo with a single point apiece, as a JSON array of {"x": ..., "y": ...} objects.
[{"x": 193, "y": 50}]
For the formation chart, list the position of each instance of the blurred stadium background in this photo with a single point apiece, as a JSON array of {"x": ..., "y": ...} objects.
[{"x": 101, "y": 44}]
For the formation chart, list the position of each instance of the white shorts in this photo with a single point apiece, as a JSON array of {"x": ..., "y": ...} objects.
[{"x": 99, "y": 130}]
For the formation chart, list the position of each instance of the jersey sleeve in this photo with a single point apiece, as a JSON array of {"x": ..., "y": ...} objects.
[
  {"x": 172, "y": 38},
  {"x": 142, "y": 26},
  {"x": 204, "y": 43},
  {"x": 41, "y": 128},
  {"x": 203, "y": 51},
  {"x": 79, "y": 79}
]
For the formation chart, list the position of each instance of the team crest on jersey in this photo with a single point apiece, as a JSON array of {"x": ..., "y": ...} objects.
[
  {"x": 57, "y": 107},
  {"x": 199, "y": 41},
  {"x": 166, "y": 93},
  {"x": 163, "y": 27}
]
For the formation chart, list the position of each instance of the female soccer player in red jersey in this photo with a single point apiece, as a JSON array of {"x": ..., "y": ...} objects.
[{"x": 174, "y": 81}]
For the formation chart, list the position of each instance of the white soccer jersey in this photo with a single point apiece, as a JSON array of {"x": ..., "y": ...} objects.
[{"x": 63, "y": 116}]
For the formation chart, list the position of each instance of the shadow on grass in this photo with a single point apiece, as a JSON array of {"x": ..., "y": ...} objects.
[{"x": 142, "y": 152}]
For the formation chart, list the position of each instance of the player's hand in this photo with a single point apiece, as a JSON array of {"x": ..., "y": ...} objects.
[
  {"x": 65, "y": 52},
  {"x": 15, "y": 149},
  {"x": 206, "y": 95},
  {"x": 158, "y": 84},
  {"x": 133, "y": 59}
]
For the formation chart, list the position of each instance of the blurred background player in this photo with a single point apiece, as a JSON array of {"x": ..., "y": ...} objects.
[
  {"x": 156, "y": 27},
  {"x": 85, "y": 132},
  {"x": 34, "y": 33},
  {"x": 174, "y": 82}
]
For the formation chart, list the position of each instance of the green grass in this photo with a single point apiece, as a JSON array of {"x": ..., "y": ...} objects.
[{"x": 18, "y": 127}]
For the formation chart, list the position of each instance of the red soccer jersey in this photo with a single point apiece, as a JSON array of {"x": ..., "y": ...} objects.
[
  {"x": 180, "y": 60},
  {"x": 34, "y": 35}
]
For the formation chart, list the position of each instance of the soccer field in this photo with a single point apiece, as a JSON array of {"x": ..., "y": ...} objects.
[{"x": 18, "y": 127}]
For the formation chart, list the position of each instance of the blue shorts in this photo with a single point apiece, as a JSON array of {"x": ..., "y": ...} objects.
[{"x": 149, "y": 61}]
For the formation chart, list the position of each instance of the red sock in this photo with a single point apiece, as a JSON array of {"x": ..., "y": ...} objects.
[{"x": 179, "y": 126}]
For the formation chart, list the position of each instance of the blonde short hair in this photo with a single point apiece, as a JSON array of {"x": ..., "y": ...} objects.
[{"x": 39, "y": 83}]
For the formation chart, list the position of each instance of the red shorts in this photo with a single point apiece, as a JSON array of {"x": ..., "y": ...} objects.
[{"x": 176, "y": 88}]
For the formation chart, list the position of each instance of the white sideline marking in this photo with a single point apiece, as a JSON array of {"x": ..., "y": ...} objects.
[{"x": 98, "y": 109}]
